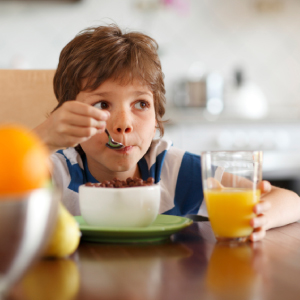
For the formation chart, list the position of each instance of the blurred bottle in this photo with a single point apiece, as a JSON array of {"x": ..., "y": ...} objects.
[{"x": 248, "y": 100}]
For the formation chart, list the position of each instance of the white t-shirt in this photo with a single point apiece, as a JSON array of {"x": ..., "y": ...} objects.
[{"x": 178, "y": 173}]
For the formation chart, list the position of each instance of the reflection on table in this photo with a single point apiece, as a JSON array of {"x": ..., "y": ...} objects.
[{"x": 189, "y": 266}]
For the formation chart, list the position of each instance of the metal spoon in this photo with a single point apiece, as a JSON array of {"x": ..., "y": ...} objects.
[{"x": 112, "y": 144}]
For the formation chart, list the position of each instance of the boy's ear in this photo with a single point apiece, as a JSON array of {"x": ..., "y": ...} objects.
[
  {"x": 155, "y": 127},
  {"x": 154, "y": 131}
]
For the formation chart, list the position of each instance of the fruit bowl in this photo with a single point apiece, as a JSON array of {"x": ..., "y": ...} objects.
[
  {"x": 26, "y": 222},
  {"x": 119, "y": 207}
]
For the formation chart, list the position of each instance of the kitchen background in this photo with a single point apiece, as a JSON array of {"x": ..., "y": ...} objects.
[{"x": 231, "y": 67}]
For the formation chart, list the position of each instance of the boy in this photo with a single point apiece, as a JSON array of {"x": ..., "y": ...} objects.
[{"x": 109, "y": 79}]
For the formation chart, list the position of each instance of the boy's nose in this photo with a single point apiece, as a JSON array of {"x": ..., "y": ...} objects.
[{"x": 122, "y": 123}]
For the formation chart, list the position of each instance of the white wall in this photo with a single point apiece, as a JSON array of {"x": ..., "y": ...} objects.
[{"x": 220, "y": 33}]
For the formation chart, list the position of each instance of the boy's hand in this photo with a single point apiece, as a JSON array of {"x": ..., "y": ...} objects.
[
  {"x": 259, "y": 222},
  {"x": 72, "y": 123}
]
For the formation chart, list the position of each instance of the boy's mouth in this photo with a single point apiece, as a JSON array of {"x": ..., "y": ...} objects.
[{"x": 126, "y": 149}]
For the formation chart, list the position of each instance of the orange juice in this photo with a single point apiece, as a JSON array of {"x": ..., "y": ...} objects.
[{"x": 230, "y": 211}]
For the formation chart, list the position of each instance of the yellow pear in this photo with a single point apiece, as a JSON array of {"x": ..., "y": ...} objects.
[{"x": 65, "y": 237}]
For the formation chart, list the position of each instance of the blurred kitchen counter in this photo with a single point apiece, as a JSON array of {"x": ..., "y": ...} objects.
[
  {"x": 192, "y": 115},
  {"x": 277, "y": 135}
]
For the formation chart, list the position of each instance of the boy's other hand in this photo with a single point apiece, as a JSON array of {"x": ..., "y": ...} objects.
[
  {"x": 260, "y": 221},
  {"x": 265, "y": 187},
  {"x": 71, "y": 124}
]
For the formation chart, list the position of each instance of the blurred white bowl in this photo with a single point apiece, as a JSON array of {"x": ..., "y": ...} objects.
[
  {"x": 119, "y": 207},
  {"x": 26, "y": 222}
]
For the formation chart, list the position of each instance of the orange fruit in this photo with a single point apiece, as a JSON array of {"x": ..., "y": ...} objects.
[{"x": 23, "y": 160}]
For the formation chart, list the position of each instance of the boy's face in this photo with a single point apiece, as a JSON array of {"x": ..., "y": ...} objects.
[{"x": 132, "y": 122}]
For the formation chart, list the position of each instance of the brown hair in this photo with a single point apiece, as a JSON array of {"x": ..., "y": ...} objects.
[{"x": 100, "y": 53}]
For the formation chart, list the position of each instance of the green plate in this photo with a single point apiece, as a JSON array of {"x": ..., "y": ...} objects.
[{"x": 160, "y": 230}]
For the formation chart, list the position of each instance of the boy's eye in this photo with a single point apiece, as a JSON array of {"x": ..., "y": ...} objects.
[
  {"x": 101, "y": 105},
  {"x": 142, "y": 105}
]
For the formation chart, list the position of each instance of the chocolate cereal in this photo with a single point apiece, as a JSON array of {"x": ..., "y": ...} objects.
[{"x": 116, "y": 183}]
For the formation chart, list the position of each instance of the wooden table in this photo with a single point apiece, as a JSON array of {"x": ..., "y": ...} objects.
[{"x": 190, "y": 266}]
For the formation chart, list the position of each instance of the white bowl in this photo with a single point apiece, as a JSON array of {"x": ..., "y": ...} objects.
[{"x": 119, "y": 207}]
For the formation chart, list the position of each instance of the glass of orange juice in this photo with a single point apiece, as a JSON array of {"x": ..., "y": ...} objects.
[{"x": 230, "y": 185}]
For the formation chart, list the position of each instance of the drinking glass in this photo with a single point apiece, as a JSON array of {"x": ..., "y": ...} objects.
[{"x": 230, "y": 186}]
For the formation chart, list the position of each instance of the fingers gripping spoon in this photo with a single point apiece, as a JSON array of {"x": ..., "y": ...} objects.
[{"x": 111, "y": 143}]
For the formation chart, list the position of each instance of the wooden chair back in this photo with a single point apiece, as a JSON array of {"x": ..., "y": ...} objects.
[{"x": 26, "y": 96}]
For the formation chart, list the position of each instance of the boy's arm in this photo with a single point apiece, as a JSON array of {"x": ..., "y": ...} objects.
[
  {"x": 285, "y": 207},
  {"x": 277, "y": 207},
  {"x": 72, "y": 123}
]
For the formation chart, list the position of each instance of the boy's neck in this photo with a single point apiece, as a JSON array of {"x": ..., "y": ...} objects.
[
  {"x": 102, "y": 175},
  {"x": 119, "y": 175}
]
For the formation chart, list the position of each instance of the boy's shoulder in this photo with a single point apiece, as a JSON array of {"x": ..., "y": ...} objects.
[
  {"x": 67, "y": 156},
  {"x": 163, "y": 153},
  {"x": 160, "y": 149},
  {"x": 160, "y": 146}
]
